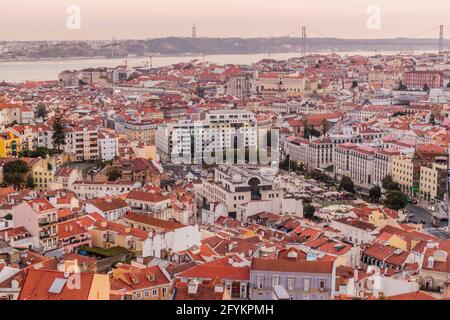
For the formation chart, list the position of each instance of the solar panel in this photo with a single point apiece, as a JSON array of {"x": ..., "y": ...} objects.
[{"x": 57, "y": 286}]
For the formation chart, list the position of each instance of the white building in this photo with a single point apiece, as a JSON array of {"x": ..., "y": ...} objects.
[
  {"x": 220, "y": 130},
  {"x": 108, "y": 146}
]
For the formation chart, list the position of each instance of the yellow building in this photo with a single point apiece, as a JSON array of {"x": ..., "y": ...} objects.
[
  {"x": 429, "y": 180},
  {"x": 9, "y": 145},
  {"x": 403, "y": 173},
  {"x": 43, "y": 171}
]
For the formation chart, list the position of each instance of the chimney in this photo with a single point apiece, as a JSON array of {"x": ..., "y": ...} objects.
[
  {"x": 356, "y": 275},
  {"x": 104, "y": 224},
  {"x": 127, "y": 230}
]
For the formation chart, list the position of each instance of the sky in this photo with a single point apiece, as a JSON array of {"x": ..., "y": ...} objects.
[{"x": 142, "y": 19}]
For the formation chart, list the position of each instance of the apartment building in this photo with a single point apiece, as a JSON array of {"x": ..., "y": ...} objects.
[
  {"x": 320, "y": 154},
  {"x": 10, "y": 145},
  {"x": 140, "y": 130},
  {"x": 293, "y": 278},
  {"x": 403, "y": 172},
  {"x": 220, "y": 130},
  {"x": 40, "y": 218},
  {"x": 95, "y": 189},
  {"x": 108, "y": 146},
  {"x": 9, "y": 113},
  {"x": 433, "y": 182},
  {"x": 383, "y": 161},
  {"x": 357, "y": 162},
  {"x": 82, "y": 143}
]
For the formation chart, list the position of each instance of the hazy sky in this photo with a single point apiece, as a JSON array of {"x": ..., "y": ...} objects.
[{"x": 104, "y": 19}]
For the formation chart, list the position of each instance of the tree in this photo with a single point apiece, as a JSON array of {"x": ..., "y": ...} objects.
[
  {"x": 448, "y": 85},
  {"x": 432, "y": 119},
  {"x": 396, "y": 200},
  {"x": 389, "y": 184},
  {"x": 308, "y": 211},
  {"x": 354, "y": 84},
  {"x": 41, "y": 110},
  {"x": 114, "y": 174},
  {"x": 375, "y": 194},
  {"x": 401, "y": 86},
  {"x": 14, "y": 173},
  {"x": 426, "y": 87},
  {"x": 346, "y": 184},
  {"x": 58, "y": 132},
  {"x": 30, "y": 182}
]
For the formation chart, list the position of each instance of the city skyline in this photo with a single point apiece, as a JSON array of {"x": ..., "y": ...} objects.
[{"x": 138, "y": 19}]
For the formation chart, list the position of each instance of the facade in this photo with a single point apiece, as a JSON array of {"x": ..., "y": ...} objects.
[
  {"x": 403, "y": 173},
  {"x": 108, "y": 146},
  {"x": 418, "y": 79},
  {"x": 82, "y": 143},
  {"x": 10, "y": 145},
  {"x": 95, "y": 189},
  {"x": 301, "y": 280},
  {"x": 221, "y": 130},
  {"x": 234, "y": 186},
  {"x": 40, "y": 218},
  {"x": 320, "y": 154},
  {"x": 383, "y": 161},
  {"x": 165, "y": 237}
]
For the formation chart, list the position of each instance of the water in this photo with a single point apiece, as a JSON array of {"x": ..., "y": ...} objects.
[{"x": 20, "y": 71}]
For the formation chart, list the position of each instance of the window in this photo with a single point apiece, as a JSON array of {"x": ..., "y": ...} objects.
[
  {"x": 259, "y": 281},
  {"x": 146, "y": 294},
  {"x": 291, "y": 283},
  {"x": 275, "y": 280},
  {"x": 306, "y": 284},
  {"x": 154, "y": 292},
  {"x": 138, "y": 296},
  {"x": 321, "y": 285}
]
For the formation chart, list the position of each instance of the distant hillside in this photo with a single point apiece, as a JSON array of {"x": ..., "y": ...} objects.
[{"x": 182, "y": 46}]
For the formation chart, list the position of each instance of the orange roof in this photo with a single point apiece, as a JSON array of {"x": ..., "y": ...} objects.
[{"x": 37, "y": 284}]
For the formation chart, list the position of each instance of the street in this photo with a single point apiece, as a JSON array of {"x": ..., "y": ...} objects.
[{"x": 422, "y": 214}]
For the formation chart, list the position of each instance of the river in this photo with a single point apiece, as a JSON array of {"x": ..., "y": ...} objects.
[{"x": 19, "y": 71}]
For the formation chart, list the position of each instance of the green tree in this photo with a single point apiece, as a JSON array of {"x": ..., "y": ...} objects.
[
  {"x": 396, "y": 200},
  {"x": 113, "y": 174},
  {"x": 389, "y": 184},
  {"x": 306, "y": 129},
  {"x": 41, "y": 111},
  {"x": 14, "y": 173},
  {"x": 308, "y": 211},
  {"x": 30, "y": 182},
  {"x": 426, "y": 87},
  {"x": 58, "y": 132},
  {"x": 401, "y": 86},
  {"x": 347, "y": 184},
  {"x": 354, "y": 84},
  {"x": 375, "y": 194}
]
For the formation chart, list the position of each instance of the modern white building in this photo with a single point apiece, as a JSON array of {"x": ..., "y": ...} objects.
[
  {"x": 220, "y": 130},
  {"x": 108, "y": 146}
]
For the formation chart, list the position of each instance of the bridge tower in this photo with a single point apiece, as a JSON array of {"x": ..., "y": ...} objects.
[
  {"x": 441, "y": 38},
  {"x": 304, "y": 37}
]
